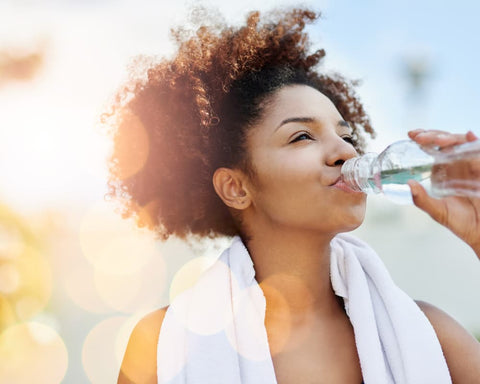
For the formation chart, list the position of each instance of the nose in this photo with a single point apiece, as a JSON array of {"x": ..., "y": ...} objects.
[{"x": 340, "y": 152}]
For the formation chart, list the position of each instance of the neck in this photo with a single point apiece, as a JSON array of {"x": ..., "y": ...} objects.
[{"x": 293, "y": 269}]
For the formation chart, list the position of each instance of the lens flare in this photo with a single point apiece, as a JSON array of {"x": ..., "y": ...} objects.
[
  {"x": 131, "y": 146},
  {"x": 277, "y": 318},
  {"x": 212, "y": 311},
  {"x": 98, "y": 353},
  {"x": 124, "y": 333},
  {"x": 7, "y": 313},
  {"x": 35, "y": 284},
  {"x": 188, "y": 275},
  {"x": 79, "y": 282},
  {"x": 138, "y": 368},
  {"x": 112, "y": 244},
  {"x": 247, "y": 335},
  {"x": 28, "y": 306},
  {"x": 9, "y": 278},
  {"x": 32, "y": 353},
  {"x": 138, "y": 291},
  {"x": 282, "y": 305},
  {"x": 118, "y": 291},
  {"x": 11, "y": 242}
]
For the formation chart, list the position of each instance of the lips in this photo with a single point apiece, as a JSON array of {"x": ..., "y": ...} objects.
[{"x": 340, "y": 184}]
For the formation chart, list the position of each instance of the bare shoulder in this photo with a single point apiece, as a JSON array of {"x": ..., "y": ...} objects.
[
  {"x": 461, "y": 349},
  {"x": 139, "y": 363}
]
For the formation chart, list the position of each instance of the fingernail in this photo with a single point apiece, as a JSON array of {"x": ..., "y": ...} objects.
[
  {"x": 472, "y": 135},
  {"x": 415, "y": 132}
]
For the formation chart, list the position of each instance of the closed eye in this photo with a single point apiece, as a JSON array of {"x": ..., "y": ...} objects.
[
  {"x": 301, "y": 137},
  {"x": 349, "y": 139}
]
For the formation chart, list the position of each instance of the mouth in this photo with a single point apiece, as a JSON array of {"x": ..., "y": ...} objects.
[{"x": 340, "y": 184}]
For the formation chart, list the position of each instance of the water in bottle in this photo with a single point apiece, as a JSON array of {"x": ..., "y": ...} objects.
[{"x": 443, "y": 172}]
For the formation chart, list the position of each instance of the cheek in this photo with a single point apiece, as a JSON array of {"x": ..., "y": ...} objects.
[
  {"x": 279, "y": 196},
  {"x": 282, "y": 173},
  {"x": 290, "y": 192},
  {"x": 285, "y": 187}
]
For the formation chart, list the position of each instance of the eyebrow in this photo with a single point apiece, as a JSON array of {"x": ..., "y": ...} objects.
[
  {"x": 340, "y": 123},
  {"x": 343, "y": 123}
]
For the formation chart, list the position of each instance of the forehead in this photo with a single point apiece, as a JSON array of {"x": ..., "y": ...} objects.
[{"x": 299, "y": 101}]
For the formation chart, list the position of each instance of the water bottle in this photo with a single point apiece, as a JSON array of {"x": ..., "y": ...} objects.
[{"x": 443, "y": 172}]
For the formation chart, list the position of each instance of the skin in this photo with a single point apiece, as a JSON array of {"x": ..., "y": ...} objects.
[{"x": 310, "y": 337}]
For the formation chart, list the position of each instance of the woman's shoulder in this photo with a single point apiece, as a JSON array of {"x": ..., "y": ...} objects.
[
  {"x": 461, "y": 349},
  {"x": 139, "y": 363}
]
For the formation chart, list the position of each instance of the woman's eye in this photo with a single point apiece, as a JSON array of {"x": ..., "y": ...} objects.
[
  {"x": 349, "y": 139},
  {"x": 303, "y": 136}
]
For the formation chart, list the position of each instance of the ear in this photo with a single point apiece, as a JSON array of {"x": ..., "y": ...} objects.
[{"x": 230, "y": 187}]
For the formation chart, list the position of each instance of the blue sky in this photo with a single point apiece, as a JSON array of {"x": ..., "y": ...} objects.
[{"x": 371, "y": 39}]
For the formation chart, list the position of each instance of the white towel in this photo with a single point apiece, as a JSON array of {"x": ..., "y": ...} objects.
[{"x": 214, "y": 333}]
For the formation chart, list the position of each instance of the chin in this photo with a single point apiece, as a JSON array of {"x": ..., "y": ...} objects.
[
  {"x": 349, "y": 222},
  {"x": 354, "y": 218},
  {"x": 352, "y": 227}
]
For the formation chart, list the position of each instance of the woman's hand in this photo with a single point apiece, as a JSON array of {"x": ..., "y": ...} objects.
[{"x": 459, "y": 214}]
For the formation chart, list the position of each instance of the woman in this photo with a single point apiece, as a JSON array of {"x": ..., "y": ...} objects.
[{"x": 239, "y": 134}]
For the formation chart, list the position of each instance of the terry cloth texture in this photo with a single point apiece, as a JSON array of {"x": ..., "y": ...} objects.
[{"x": 214, "y": 332}]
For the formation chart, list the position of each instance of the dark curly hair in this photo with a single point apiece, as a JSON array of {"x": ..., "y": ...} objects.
[{"x": 191, "y": 114}]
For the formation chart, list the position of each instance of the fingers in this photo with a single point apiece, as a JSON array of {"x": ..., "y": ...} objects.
[
  {"x": 441, "y": 139},
  {"x": 420, "y": 133},
  {"x": 471, "y": 136},
  {"x": 434, "y": 207},
  {"x": 412, "y": 134}
]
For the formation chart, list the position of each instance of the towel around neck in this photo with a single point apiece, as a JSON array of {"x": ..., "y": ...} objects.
[{"x": 214, "y": 333}]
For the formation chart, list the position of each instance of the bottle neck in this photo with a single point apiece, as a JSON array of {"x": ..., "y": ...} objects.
[
  {"x": 358, "y": 173},
  {"x": 349, "y": 171}
]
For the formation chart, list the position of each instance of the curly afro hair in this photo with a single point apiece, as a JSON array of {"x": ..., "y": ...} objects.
[{"x": 190, "y": 115}]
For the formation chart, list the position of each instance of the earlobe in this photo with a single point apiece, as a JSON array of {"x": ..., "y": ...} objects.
[{"x": 228, "y": 184}]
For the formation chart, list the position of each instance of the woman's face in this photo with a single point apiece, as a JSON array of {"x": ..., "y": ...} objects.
[{"x": 297, "y": 151}]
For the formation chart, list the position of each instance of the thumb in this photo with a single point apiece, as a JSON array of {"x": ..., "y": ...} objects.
[{"x": 436, "y": 208}]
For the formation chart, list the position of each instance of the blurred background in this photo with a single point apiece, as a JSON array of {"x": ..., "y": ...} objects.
[{"x": 75, "y": 278}]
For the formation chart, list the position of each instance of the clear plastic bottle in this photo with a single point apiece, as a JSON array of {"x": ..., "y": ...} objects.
[{"x": 443, "y": 172}]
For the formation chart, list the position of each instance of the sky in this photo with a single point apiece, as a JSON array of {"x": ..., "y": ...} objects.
[
  {"x": 373, "y": 40},
  {"x": 52, "y": 151}
]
